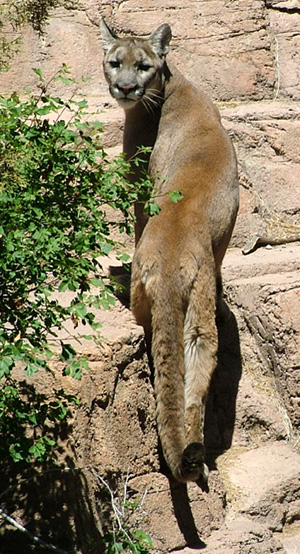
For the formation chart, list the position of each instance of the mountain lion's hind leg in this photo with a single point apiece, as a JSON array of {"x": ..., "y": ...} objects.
[
  {"x": 201, "y": 342},
  {"x": 142, "y": 312}
]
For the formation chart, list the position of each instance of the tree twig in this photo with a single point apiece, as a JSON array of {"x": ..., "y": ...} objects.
[
  {"x": 34, "y": 538},
  {"x": 116, "y": 510}
]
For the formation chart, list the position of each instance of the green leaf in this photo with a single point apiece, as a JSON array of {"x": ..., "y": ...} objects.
[
  {"x": 80, "y": 310},
  {"x": 153, "y": 209},
  {"x": 81, "y": 103},
  {"x": 5, "y": 366},
  {"x": 123, "y": 257},
  {"x": 31, "y": 369},
  {"x": 67, "y": 352},
  {"x": 43, "y": 111},
  {"x": 38, "y": 72},
  {"x": 76, "y": 371},
  {"x": 64, "y": 80},
  {"x": 175, "y": 195},
  {"x": 106, "y": 248},
  {"x": 97, "y": 125},
  {"x": 143, "y": 537},
  {"x": 95, "y": 326},
  {"x": 97, "y": 282},
  {"x": 16, "y": 454},
  {"x": 63, "y": 286}
]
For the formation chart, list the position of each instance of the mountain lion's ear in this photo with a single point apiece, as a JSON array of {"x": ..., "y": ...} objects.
[
  {"x": 160, "y": 39},
  {"x": 108, "y": 36}
]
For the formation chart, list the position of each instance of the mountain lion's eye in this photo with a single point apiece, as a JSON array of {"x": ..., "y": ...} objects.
[
  {"x": 144, "y": 66},
  {"x": 115, "y": 64}
]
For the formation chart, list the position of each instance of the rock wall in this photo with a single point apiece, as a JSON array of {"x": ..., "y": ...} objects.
[{"x": 246, "y": 55}]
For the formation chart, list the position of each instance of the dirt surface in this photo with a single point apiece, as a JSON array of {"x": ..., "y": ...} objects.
[{"x": 247, "y": 56}]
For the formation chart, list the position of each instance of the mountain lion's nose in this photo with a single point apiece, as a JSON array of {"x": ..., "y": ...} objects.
[{"x": 126, "y": 89}]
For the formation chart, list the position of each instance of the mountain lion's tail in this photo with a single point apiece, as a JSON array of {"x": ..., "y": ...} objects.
[{"x": 184, "y": 345}]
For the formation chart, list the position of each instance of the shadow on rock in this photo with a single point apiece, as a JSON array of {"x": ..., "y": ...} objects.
[
  {"x": 48, "y": 501},
  {"x": 120, "y": 275},
  {"x": 184, "y": 515},
  {"x": 221, "y": 403},
  {"x": 53, "y": 507}
]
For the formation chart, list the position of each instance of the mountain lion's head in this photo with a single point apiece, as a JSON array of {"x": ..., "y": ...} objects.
[{"x": 134, "y": 67}]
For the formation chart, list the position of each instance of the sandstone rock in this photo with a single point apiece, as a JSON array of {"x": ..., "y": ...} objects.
[
  {"x": 175, "y": 514},
  {"x": 269, "y": 301},
  {"x": 291, "y": 543},
  {"x": 284, "y": 25},
  {"x": 264, "y": 482},
  {"x": 266, "y": 137}
]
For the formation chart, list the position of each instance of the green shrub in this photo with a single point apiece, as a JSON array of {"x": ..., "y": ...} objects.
[{"x": 56, "y": 184}]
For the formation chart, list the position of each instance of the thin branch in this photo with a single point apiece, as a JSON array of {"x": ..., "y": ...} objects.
[
  {"x": 143, "y": 498},
  {"x": 118, "y": 513},
  {"x": 115, "y": 508},
  {"x": 125, "y": 495},
  {"x": 34, "y": 538}
]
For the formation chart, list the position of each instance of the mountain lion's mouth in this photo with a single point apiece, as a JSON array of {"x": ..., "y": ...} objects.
[{"x": 126, "y": 101}]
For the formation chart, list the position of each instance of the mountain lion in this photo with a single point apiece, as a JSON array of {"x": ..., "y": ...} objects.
[{"x": 176, "y": 279}]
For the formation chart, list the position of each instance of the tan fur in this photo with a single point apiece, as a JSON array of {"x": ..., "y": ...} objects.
[{"x": 176, "y": 282}]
